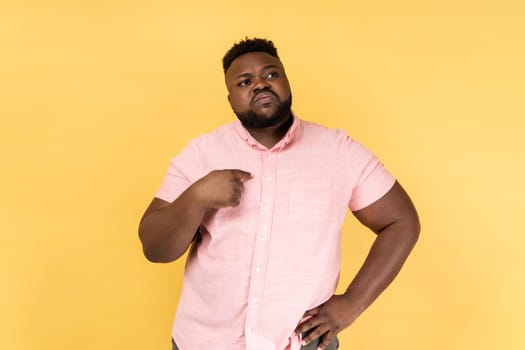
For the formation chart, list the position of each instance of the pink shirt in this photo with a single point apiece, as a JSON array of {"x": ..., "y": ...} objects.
[{"x": 261, "y": 265}]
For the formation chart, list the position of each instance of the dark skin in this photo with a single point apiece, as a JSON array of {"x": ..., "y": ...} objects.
[
  {"x": 257, "y": 81},
  {"x": 167, "y": 229}
]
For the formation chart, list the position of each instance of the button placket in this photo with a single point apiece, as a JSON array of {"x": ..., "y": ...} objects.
[{"x": 259, "y": 262}]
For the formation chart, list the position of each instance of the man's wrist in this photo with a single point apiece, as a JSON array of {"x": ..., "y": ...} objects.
[
  {"x": 353, "y": 305},
  {"x": 196, "y": 198}
]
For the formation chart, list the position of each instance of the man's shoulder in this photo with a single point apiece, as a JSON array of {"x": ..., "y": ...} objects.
[
  {"x": 324, "y": 133},
  {"x": 215, "y": 135}
]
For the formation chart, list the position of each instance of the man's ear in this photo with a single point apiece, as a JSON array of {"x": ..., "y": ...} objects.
[{"x": 229, "y": 99}]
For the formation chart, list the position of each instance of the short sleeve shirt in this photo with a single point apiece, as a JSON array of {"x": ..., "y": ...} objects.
[{"x": 262, "y": 264}]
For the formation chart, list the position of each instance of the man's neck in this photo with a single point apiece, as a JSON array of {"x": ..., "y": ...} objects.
[{"x": 271, "y": 135}]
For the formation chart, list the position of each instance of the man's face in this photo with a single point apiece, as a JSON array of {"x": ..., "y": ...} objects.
[{"x": 259, "y": 92}]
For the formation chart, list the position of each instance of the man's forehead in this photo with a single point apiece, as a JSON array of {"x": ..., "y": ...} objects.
[{"x": 252, "y": 61}]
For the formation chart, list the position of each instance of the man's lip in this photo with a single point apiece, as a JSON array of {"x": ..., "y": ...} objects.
[{"x": 262, "y": 95}]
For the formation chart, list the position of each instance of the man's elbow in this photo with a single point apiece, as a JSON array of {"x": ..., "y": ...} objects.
[
  {"x": 413, "y": 231},
  {"x": 159, "y": 256},
  {"x": 155, "y": 251}
]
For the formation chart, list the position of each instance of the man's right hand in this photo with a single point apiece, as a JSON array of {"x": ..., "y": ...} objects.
[{"x": 221, "y": 188}]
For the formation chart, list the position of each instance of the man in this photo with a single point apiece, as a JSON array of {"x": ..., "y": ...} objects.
[{"x": 263, "y": 200}]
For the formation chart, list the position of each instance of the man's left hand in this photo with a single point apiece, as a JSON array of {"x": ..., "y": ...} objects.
[{"x": 326, "y": 321}]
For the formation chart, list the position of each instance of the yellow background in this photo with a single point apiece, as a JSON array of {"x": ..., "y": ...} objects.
[{"x": 96, "y": 97}]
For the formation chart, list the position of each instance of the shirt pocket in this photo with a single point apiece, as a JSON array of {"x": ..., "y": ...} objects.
[{"x": 310, "y": 201}]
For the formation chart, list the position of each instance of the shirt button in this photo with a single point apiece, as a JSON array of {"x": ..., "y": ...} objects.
[
  {"x": 266, "y": 207},
  {"x": 249, "y": 330},
  {"x": 268, "y": 178},
  {"x": 257, "y": 270},
  {"x": 254, "y": 300}
]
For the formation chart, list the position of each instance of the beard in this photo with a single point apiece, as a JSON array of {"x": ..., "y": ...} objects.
[{"x": 253, "y": 120}]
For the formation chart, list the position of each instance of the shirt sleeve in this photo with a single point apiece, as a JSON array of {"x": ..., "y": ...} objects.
[
  {"x": 180, "y": 175},
  {"x": 371, "y": 182}
]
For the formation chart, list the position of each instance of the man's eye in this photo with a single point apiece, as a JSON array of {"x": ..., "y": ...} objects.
[
  {"x": 244, "y": 82},
  {"x": 271, "y": 75}
]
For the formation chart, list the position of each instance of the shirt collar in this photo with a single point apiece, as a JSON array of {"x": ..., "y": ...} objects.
[{"x": 290, "y": 136}]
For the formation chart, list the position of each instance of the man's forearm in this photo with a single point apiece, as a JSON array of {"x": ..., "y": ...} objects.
[
  {"x": 395, "y": 221},
  {"x": 167, "y": 232},
  {"x": 386, "y": 257}
]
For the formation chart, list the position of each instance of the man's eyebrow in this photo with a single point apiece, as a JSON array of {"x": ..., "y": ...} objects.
[
  {"x": 243, "y": 75},
  {"x": 247, "y": 75},
  {"x": 270, "y": 66}
]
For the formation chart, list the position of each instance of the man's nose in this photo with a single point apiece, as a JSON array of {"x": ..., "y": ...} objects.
[{"x": 259, "y": 85}]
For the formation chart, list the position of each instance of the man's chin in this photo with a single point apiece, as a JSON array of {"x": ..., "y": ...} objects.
[{"x": 266, "y": 116}]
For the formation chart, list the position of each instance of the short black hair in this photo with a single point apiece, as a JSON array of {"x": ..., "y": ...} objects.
[{"x": 248, "y": 45}]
